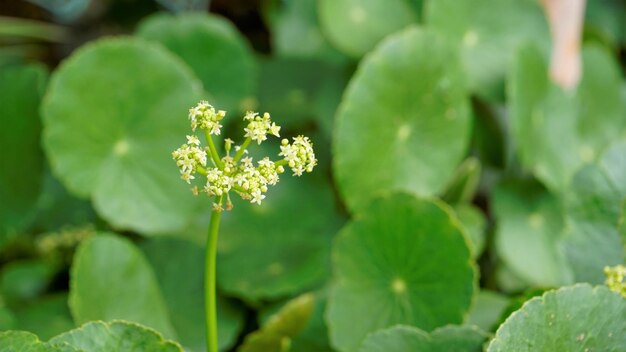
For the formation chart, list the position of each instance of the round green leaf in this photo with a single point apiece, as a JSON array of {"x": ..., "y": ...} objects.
[
  {"x": 588, "y": 120},
  {"x": 400, "y": 261},
  {"x": 576, "y": 318},
  {"x": 402, "y": 338},
  {"x": 109, "y": 132},
  {"x": 296, "y": 32},
  {"x": 356, "y": 26},
  {"x": 218, "y": 54},
  {"x": 115, "y": 336},
  {"x": 178, "y": 265},
  {"x": 281, "y": 247},
  {"x": 111, "y": 279},
  {"x": 529, "y": 233},
  {"x": 23, "y": 341},
  {"x": 593, "y": 205},
  {"x": 403, "y": 123},
  {"x": 488, "y": 32},
  {"x": 21, "y": 159}
]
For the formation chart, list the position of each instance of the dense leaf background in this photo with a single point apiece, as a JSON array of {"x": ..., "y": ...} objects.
[{"x": 463, "y": 201}]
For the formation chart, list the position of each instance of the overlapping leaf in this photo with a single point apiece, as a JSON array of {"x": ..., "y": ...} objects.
[
  {"x": 213, "y": 48},
  {"x": 281, "y": 247},
  {"x": 400, "y": 261},
  {"x": 488, "y": 32},
  {"x": 587, "y": 120},
  {"x": 576, "y": 318},
  {"x": 111, "y": 279},
  {"x": 530, "y": 233},
  {"x": 109, "y": 132},
  {"x": 356, "y": 26},
  {"x": 404, "y": 338},
  {"x": 403, "y": 123},
  {"x": 593, "y": 203}
]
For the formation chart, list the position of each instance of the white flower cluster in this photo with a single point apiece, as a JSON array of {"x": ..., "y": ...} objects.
[
  {"x": 238, "y": 173},
  {"x": 258, "y": 127},
  {"x": 205, "y": 117},
  {"x": 189, "y": 157},
  {"x": 299, "y": 155},
  {"x": 218, "y": 182},
  {"x": 252, "y": 181}
]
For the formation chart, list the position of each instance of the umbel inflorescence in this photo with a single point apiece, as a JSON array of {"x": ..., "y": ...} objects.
[{"x": 237, "y": 172}]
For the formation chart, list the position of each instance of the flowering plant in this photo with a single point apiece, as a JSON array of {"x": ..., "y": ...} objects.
[{"x": 222, "y": 174}]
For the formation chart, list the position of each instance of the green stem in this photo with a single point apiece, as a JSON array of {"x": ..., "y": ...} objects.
[
  {"x": 209, "y": 281},
  {"x": 281, "y": 162},
  {"x": 241, "y": 150},
  {"x": 214, "y": 154}
]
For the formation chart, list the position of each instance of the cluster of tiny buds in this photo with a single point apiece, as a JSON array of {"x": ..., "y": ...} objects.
[
  {"x": 237, "y": 172},
  {"x": 616, "y": 278}
]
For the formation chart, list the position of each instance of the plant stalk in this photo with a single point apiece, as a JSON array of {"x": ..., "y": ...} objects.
[{"x": 209, "y": 281}]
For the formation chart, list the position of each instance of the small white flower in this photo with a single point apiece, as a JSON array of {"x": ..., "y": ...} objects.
[
  {"x": 193, "y": 140},
  {"x": 205, "y": 117},
  {"x": 257, "y": 197},
  {"x": 299, "y": 155}
]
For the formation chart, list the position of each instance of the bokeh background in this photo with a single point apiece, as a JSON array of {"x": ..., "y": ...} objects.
[{"x": 510, "y": 113}]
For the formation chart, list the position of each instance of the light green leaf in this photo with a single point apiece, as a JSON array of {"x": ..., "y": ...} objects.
[
  {"x": 403, "y": 123},
  {"x": 486, "y": 310},
  {"x": 276, "y": 334},
  {"x": 400, "y": 261},
  {"x": 529, "y": 233},
  {"x": 179, "y": 268},
  {"x": 21, "y": 160},
  {"x": 296, "y": 32},
  {"x": 593, "y": 205},
  {"x": 488, "y": 32},
  {"x": 475, "y": 223},
  {"x": 218, "y": 54},
  {"x": 281, "y": 247},
  {"x": 575, "y": 318},
  {"x": 587, "y": 119},
  {"x": 23, "y": 341},
  {"x": 111, "y": 279},
  {"x": 356, "y": 26},
  {"x": 115, "y": 336},
  {"x": 403, "y": 338},
  {"x": 508, "y": 280},
  {"x": 109, "y": 132}
]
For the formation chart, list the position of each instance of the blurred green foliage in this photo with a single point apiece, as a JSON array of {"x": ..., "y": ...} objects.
[{"x": 459, "y": 190}]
